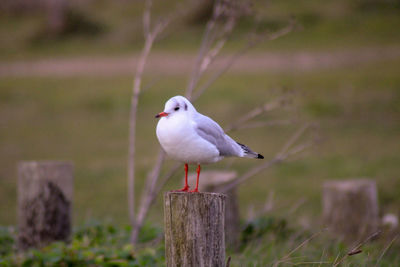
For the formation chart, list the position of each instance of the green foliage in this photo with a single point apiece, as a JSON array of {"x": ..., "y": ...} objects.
[
  {"x": 6, "y": 240},
  {"x": 93, "y": 244},
  {"x": 265, "y": 240},
  {"x": 276, "y": 228}
]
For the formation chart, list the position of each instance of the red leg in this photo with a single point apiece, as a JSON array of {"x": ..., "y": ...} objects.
[
  {"x": 196, "y": 190},
  {"x": 186, "y": 187}
]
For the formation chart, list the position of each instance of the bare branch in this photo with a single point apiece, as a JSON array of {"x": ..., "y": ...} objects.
[
  {"x": 294, "y": 138},
  {"x": 207, "y": 40},
  {"x": 167, "y": 176},
  {"x": 257, "y": 111},
  {"x": 132, "y": 127},
  {"x": 213, "y": 52},
  {"x": 260, "y": 124},
  {"x": 279, "y": 157},
  {"x": 148, "y": 195},
  {"x": 241, "y": 52},
  {"x": 209, "y": 58},
  {"x": 150, "y": 36},
  {"x": 146, "y": 18}
]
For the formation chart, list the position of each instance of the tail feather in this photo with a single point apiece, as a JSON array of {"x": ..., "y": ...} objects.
[{"x": 249, "y": 153}]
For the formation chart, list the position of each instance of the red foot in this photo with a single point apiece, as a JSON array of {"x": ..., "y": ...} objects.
[
  {"x": 185, "y": 189},
  {"x": 194, "y": 191}
]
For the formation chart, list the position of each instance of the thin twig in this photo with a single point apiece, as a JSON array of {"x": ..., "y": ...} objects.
[
  {"x": 213, "y": 52},
  {"x": 151, "y": 84},
  {"x": 386, "y": 249},
  {"x": 167, "y": 176},
  {"x": 297, "y": 205},
  {"x": 294, "y": 138},
  {"x": 279, "y": 157},
  {"x": 205, "y": 44},
  {"x": 336, "y": 259},
  {"x": 269, "y": 203},
  {"x": 146, "y": 18},
  {"x": 260, "y": 124},
  {"x": 357, "y": 248},
  {"x": 287, "y": 256},
  {"x": 132, "y": 119},
  {"x": 150, "y": 36},
  {"x": 240, "y": 53},
  {"x": 148, "y": 194},
  {"x": 322, "y": 256},
  {"x": 267, "y": 107}
]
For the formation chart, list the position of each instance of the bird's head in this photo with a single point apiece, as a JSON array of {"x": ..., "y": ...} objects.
[{"x": 176, "y": 105}]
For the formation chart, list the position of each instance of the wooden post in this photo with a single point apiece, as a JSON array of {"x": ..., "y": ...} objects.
[
  {"x": 350, "y": 208},
  {"x": 194, "y": 229},
  {"x": 215, "y": 181},
  {"x": 45, "y": 191}
]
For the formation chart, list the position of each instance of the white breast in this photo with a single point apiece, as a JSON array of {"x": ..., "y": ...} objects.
[{"x": 180, "y": 141}]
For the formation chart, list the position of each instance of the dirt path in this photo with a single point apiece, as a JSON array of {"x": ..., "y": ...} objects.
[{"x": 175, "y": 63}]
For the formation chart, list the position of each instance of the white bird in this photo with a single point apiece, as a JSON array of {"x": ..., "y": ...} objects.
[{"x": 192, "y": 138}]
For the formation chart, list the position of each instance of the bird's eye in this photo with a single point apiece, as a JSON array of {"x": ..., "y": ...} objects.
[{"x": 176, "y": 109}]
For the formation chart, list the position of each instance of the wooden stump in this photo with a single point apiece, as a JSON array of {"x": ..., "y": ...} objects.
[
  {"x": 215, "y": 181},
  {"x": 45, "y": 191},
  {"x": 194, "y": 229},
  {"x": 350, "y": 208}
]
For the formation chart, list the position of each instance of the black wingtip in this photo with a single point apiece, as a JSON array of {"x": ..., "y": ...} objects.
[{"x": 259, "y": 156}]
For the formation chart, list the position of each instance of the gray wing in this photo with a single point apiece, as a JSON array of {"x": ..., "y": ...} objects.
[{"x": 209, "y": 130}]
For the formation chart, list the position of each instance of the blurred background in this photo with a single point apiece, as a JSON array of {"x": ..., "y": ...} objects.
[{"x": 66, "y": 71}]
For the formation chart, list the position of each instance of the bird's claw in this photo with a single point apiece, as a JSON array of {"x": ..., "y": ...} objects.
[
  {"x": 185, "y": 189},
  {"x": 194, "y": 191}
]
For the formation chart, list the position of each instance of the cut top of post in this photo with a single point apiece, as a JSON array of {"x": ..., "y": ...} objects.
[
  {"x": 30, "y": 173},
  {"x": 350, "y": 185}
]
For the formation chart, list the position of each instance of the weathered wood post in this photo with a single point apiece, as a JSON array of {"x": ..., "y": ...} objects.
[
  {"x": 215, "y": 181},
  {"x": 194, "y": 229},
  {"x": 45, "y": 191},
  {"x": 350, "y": 208}
]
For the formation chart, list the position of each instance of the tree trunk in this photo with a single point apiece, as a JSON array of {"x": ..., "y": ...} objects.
[
  {"x": 350, "y": 208},
  {"x": 45, "y": 191},
  {"x": 194, "y": 229}
]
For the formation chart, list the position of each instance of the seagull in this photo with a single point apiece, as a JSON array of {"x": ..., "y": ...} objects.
[{"x": 193, "y": 138}]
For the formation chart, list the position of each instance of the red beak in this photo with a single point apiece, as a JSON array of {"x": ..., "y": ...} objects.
[{"x": 162, "y": 114}]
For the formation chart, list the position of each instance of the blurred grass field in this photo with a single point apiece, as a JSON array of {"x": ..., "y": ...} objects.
[
  {"x": 332, "y": 25},
  {"x": 84, "y": 118}
]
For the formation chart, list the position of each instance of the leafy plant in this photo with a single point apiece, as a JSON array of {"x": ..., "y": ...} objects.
[
  {"x": 93, "y": 244},
  {"x": 262, "y": 226}
]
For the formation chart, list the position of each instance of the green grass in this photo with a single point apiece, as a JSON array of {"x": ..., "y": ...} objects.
[{"x": 84, "y": 119}]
